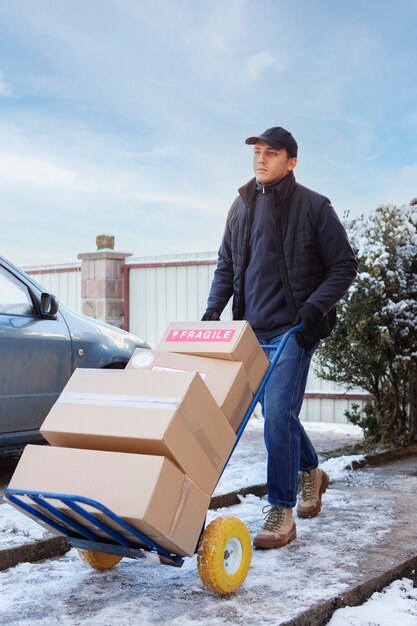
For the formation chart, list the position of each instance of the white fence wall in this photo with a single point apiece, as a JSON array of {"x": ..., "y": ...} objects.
[
  {"x": 63, "y": 281},
  {"x": 175, "y": 288},
  {"x": 162, "y": 292}
]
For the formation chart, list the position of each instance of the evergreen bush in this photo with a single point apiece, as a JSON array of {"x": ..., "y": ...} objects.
[{"x": 374, "y": 343}]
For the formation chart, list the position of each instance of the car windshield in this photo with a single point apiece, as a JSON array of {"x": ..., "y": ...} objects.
[{"x": 14, "y": 295}]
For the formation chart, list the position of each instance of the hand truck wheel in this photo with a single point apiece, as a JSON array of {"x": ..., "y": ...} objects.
[
  {"x": 99, "y": 560},
  {"x": 224, "y": 555}
]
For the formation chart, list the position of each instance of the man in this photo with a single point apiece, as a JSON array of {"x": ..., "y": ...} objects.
[{"x": 285, "y": 258}]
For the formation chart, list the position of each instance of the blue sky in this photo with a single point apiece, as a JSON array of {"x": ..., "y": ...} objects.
[{"x": 128, "y": 117}]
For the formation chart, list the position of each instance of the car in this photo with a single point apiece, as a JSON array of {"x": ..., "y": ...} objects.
[{"x": 42, "y": 342}]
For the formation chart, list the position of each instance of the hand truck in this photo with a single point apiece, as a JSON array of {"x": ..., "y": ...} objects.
[{"x": 224, "y": 548}]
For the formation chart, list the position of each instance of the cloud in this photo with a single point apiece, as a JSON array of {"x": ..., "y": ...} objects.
[
  {"x": 262, "y": 62},
  {"x": 33, "y": 169},
  {"x": 5, "y": 89},
  {"x": 79, "y": 183}
]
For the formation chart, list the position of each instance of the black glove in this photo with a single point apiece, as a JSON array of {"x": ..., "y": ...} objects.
[
  {"x": 311, "y": 317},
  {"x": 211, "y": 315}
]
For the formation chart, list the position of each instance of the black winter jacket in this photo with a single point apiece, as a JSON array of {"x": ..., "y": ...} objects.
[{"x": 315, "y": 259}]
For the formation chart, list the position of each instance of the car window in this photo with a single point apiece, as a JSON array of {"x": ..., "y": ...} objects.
[{"x": 14, "y": 295}]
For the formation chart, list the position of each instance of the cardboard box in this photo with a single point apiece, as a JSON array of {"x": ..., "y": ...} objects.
[
  {"x": 226, "y": 380},
  {"x": 148, "y": 492},
  {"x": 168, "y": 414},
  {"x": 234, "y": 341}
]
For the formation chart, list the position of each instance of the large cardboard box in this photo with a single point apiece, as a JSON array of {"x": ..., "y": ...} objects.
[
  {"x": 148, "y": 492},
  {"x": 169, "y": 414},
  {"x": 226, "y": 380},
  {"x": 234, "y": 341}
]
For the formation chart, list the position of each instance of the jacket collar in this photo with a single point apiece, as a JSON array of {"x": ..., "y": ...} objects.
[{"x": 284, "y": 188}]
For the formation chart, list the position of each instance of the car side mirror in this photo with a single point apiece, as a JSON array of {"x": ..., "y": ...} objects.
[{"x": 49, "y": 305}]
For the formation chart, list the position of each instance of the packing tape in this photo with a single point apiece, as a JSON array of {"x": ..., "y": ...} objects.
[
  {"x": 164, "y": 368},
  {"x": 202, "y": 438},
  {"x": 110, "y": 399},
  {"x": 186, "y": 486}
]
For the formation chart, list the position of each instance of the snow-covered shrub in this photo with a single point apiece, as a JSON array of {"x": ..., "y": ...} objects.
[{"x": 374, "y": 344}]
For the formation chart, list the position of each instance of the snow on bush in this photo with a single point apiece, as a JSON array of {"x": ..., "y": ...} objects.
[{"x": 374, "y": 345}]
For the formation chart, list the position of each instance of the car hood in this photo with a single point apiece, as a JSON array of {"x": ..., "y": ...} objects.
[{"x": 81, "y": 326}]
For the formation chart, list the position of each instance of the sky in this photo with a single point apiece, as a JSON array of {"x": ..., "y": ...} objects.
[{"x": 128, "y": 117}]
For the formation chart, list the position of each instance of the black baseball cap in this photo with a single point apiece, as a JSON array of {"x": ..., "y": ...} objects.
[{"x": 277, "y": 137}]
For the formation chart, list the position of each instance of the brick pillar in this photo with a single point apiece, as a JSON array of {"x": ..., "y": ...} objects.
[{"x": 102, "y": 281}]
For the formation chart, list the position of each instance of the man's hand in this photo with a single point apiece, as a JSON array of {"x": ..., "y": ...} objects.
[
  {"x": 211, "y": 315},
  {"x": 310, "y": 316}
]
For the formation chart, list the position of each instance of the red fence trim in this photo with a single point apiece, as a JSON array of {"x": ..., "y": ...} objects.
[{"x": 335, "y": 396}]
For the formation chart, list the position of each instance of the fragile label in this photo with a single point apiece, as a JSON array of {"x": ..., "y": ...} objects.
[{"x": 198, "y": 335}]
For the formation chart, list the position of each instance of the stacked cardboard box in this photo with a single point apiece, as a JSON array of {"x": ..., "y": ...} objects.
[
  {"x": 149, "y": 492},
  {"x": 226, "y": 380},
  {"x": 150, "y": 443},
  {"x": 167, "y": 414},
  {"x": 232, "y": 341}
]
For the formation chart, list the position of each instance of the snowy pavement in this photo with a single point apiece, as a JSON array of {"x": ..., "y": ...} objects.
[
  {"x": 16, "y": 529},
  {"x": 356, "y": 531},
  {"x": 247, "y": 467},
  {"x": 366, "y": 527},
  {"x": 280, "y": 584}
]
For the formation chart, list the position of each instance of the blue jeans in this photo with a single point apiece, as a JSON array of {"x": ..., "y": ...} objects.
[{"x": 288, "y": 446}]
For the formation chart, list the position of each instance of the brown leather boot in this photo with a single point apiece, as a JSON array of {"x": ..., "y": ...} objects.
[
  {"x": 278, "y": 528},
  {"x": 312, "y": 486}
]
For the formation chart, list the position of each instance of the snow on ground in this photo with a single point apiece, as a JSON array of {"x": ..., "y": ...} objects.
[
  {"x": 333, "y": 427},
  {"x": 257, "y": 422},
  {"x": 337, "y": 466},
  {"x": 395, "y": 605},
  {"x": 17, "y": 529},
  {"x": 247, "y": 465},
  {"x": 281, "y": 583}
]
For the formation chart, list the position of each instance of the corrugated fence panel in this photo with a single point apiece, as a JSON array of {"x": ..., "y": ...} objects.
[
  {"x": 167, "y": 293},
  {"x": 327, "y": 409},
  {"x": 65, "y": 283}
]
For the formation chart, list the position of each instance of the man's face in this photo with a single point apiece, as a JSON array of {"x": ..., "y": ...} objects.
[{"x": 271, "y": 164}]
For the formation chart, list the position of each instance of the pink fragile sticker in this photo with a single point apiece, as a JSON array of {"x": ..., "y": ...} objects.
[{"x": 224, "y": 335}]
